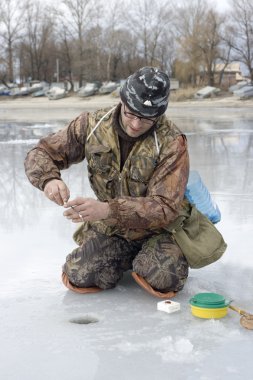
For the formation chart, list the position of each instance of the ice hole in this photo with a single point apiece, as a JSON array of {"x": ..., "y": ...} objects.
[{"x": 85, "y": 320}]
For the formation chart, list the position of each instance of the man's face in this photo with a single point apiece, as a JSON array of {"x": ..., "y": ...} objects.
[{"x": 134, "y": 124}]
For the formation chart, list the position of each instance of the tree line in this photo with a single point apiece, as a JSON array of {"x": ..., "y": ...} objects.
[{"x": 89, "y": 40}]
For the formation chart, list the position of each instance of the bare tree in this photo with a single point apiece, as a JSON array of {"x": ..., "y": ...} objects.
[
  {"x": 10, "y": 31},
  {"x": 66, "y": 55},
  {"x": 148, "y": 20},
  {"x": 80, "y": 15},
  {"x": 112, "y": 41},
  {"x": 188, "y": 23},
  {"x": 95, "y": 63},
  {"x": 37, "y": 47},
  {"x": 241, "y": 28},
  {"x": 199, "y": 30},
  {"x": 209, "y": 42},
  {"x": 225, "y": 48},
  {"x": 166, "y": 50}
]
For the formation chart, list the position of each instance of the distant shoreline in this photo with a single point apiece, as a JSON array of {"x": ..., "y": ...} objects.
[{"x": 28, "y": 109}]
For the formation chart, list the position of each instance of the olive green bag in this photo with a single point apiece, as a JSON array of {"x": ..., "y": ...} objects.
[{"x": 199, "y": 240}]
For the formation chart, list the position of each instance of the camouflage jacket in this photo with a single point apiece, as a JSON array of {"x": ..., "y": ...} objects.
[{"x": 144, "y": 196}]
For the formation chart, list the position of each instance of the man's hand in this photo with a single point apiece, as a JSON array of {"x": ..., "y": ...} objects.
[
  {"x": 57, "y": 191},
  {"x": 86, "y": 209}
]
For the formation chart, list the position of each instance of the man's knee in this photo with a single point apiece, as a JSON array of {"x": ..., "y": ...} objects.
[
  {"x": 99, "y": 261},
  {"x": 84, "y": 271},
  {"x": 162, "y": 264}
]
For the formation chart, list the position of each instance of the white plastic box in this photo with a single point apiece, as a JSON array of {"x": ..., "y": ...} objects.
[{"x": 168, "y": 306}]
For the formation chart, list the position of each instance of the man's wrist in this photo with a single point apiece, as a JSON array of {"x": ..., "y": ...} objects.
[
  {"x": 49, "y": 180},
  {"x": 111, "y": 219},
  {"x": 106, "y": 210}
]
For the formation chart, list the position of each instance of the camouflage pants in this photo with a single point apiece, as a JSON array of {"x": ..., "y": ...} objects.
[{"x": 101, "y": 260}]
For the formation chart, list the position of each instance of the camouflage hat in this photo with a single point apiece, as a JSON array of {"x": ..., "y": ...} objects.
[{"x": 146, "y": 92}]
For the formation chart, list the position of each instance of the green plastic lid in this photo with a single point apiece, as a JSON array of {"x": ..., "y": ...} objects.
[{"x": 209, "y": 300}]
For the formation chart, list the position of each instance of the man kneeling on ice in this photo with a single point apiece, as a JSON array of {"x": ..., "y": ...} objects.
[{"x": 138, "y": 167}]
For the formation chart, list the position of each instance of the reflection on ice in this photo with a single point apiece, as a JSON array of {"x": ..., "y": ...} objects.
[
  {"x": 25, "y": 132},
  {"x": 222, "y": 157},
  {"x": 30, "y": 141}
]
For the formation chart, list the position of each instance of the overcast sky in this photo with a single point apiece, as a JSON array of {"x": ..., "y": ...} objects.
[{"x": 221, "y": 4}]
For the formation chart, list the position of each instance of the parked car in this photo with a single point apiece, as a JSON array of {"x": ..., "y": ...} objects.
[
  {"x": 55, "y": 93},
  {"x": 41, "y": 92},
  {"x": 108, "y": 87},
  {"x": 245, "y": 92},
  {"x": 89, "y": 89},
  {"x": 35, "y": 87},
  {"x": 4, "y": 91},
  {"x": 206, "y": 92},
  {"x": 237, "y": 86}
]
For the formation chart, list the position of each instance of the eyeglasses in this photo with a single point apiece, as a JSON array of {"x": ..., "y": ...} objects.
[{"x": 144, "y": 120}]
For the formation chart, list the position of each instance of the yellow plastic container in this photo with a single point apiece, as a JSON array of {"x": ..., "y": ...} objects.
[
  {"x": 209, "y": 305},
  {"x": 202, "y": 312}
]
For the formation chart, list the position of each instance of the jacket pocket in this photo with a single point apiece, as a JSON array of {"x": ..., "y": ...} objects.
[
  {"x": 100, "y": 170},
  {"x": 99, "y": 159},
  {"x": 140, "y": 172}
]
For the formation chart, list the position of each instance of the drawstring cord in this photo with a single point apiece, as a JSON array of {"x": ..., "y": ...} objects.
[
  {"x": 156, "y": 143},
  {"x": 97, "y": 125}
]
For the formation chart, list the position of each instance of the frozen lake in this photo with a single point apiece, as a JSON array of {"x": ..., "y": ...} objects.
[{"x": 131, "y": 339}]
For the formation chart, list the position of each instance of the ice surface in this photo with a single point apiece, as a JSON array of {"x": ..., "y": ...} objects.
[{"x": 131, "y": 339}]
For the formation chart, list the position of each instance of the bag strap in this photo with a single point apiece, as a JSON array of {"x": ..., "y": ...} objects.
[{"x": 183, "y": 214}]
